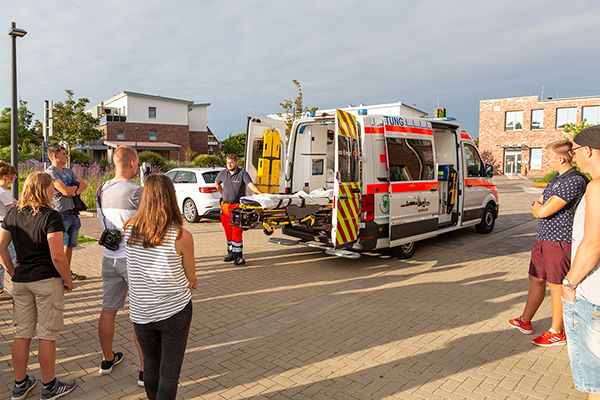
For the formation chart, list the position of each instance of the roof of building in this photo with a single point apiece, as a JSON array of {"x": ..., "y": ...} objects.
[
  {"x": 546, "y": 99},
  {"x": 144, "y": 145},
  {"x": 153, "y": 96}
]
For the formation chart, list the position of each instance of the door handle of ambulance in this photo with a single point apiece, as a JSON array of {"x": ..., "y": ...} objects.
[
  {"x": 469, "y": 184},
  {"x": 343, "y": 197},
  {"x": 433, "y": 189}
]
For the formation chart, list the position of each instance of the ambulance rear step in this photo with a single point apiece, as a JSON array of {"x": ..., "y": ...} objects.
[{"x": 328, "y": 250}]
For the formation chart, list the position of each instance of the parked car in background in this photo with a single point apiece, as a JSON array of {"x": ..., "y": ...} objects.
[{"x": 196, "y": 193}]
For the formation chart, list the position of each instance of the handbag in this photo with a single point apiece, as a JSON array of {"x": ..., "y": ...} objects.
[{"x": 78, "y": 204}]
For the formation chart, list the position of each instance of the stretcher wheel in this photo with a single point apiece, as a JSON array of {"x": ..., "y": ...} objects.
[{"x": 267, "y": 232}]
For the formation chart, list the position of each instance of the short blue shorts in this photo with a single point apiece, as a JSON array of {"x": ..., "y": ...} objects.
[
  {"x": 72, "y": 224},
  {"x": 582, "y": 326}
]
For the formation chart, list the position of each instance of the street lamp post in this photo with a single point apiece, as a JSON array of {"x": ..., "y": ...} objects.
[{"x": 14, "y": 127}]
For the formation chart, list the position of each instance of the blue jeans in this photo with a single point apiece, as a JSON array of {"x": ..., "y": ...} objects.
[
  {"x": 163, "y": 346},
  {"x": 72, "y": 224},
  {"x": 13, "y": 255},
  {"x": 582, "y": 326}
]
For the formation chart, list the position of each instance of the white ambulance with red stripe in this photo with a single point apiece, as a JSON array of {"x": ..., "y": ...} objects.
[{"x": 396, "y": 179}]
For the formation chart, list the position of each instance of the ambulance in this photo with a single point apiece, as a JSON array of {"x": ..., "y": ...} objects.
[{"x": 395, "y": 179}]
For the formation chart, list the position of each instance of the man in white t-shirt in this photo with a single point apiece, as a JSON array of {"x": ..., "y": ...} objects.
[
  {"x": 117, "y": 201},
  {"x": 8, "y": 175}
]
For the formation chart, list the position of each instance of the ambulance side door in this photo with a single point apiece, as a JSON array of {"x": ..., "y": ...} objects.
[
  {"x": 475, "y": 190},
  {"x": 265, "y": 153},
  {"x": 414, "y": 196},
  {"x": 347, "y": 180}
]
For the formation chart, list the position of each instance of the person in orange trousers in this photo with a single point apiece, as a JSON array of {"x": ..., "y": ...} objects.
[{"x": 232, "y": 183}]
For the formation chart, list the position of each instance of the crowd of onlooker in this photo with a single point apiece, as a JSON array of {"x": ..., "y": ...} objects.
[{"x": 150, "y": 257}]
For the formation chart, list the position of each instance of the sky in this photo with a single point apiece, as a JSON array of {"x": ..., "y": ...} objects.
[{"x": 242, "y": 55}]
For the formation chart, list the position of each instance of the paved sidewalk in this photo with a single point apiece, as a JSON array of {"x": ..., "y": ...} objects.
[{"x": 296, "y": 324}]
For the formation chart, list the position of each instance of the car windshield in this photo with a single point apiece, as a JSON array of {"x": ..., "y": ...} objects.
[{"x": 210, "y": 176}]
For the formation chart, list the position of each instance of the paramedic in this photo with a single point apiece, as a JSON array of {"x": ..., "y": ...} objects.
[
  {"x": 551, "y": 253},
  {"x": 231, "y": 183}
]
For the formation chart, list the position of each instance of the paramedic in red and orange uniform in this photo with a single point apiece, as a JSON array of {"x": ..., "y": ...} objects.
[{"x": 231, "y": 183}]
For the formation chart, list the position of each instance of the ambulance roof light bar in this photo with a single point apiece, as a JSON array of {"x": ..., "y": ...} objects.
[
  {"x": 362, "y": 111},
  {"x": 443, "y": 119}
]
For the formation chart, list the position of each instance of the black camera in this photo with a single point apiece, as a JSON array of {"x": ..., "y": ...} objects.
[{"x": 111, "y": 238}]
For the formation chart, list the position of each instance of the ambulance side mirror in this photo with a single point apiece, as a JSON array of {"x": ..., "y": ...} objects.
[{"x": 489, "y": 171}]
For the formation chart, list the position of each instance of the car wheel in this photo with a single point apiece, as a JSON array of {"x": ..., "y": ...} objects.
[
  {"x": 190, "y": 213},
  {"x": 488, "y": 220},
  {"x": 404, "y": 251}
]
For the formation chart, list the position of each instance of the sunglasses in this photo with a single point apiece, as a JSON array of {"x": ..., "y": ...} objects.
[{"x": 572, "y": 151}]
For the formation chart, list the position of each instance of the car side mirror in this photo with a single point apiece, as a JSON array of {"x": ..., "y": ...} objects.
[{"x": 489, "y": 171}]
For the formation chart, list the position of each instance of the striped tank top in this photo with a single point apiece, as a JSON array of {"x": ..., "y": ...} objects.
[{"x": 158, "y": 287}]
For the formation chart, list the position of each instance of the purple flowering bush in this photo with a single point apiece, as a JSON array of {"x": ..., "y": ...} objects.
[{"x": 94, "y": 175}]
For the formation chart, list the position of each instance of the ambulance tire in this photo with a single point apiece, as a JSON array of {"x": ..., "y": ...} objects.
[
  {"x": 488, "y": 220},
  {"x": 190, "y": 212},
  {"x": 404, "y": 251}
]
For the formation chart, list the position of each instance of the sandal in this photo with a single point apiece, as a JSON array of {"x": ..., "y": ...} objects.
[{"x": 77, "y": 277}]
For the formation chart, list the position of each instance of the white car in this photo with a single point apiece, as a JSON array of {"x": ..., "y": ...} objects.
[{"x": 196, "y": 193}]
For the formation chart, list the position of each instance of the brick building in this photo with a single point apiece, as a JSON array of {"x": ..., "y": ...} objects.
[
  {"x": 513, "y": 132},
  {"x": 174, "y": 128}
]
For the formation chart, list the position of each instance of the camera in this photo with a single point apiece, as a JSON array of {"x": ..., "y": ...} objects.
[{"x": 111, "y": 238}]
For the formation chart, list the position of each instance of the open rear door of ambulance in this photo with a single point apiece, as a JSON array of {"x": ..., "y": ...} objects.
[
  {"x": 265, "y": 153},
  {"x": 414, "y": 195},
  {"x": 346, "y": 188}
]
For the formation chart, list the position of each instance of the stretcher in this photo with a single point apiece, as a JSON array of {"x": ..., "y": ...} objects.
[{"x": 276, "y": 210}]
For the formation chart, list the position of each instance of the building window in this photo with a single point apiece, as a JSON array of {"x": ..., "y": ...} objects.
[
  {"x": 410, "y": 159},
  {"x": 535, "y": 158},
  {"x": 151, "y": 112},
  {"x": 120, "y": 134},
  {"x": 514, "y": 120},
  {"x": 591, "y": 115},
  {"x": 566, "y": 116},
  {"x": 152, "y": 136},
  {"x": 537, "y": 119}
]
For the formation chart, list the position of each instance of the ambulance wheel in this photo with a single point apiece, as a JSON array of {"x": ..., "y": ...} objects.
[
  {"x": 404, "y": 251},
  {"x": 190, "y": 213},
  {"x": 488, "y": 220}
]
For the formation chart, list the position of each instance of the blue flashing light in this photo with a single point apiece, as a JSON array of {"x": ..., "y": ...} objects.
[
  {"x": 310, "y": 114},
  {"x": 362, "y": 111},
  {"x": 443, "y": 119}
]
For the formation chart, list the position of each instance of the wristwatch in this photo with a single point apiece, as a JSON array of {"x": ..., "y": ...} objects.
[{"x": 566, "y": 283}]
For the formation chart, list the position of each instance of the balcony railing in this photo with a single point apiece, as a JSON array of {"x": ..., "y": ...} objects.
[{"x": 112, "y": 118}]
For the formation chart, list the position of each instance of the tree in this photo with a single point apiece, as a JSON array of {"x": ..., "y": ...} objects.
[
  {"x": 293, "y": 109},
  {"x": 71, "y": 125},
  {"x": 235, "y": 145},
  {"x": 571, "y": 130},
  {"x": 27, "y": 133}
]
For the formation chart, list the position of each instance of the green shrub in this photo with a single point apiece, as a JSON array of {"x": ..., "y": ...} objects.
[
  {"x": 79, "y": 157},
  {"x": 104, "y": 163},
  {"x": 154, "y": 159},
  {"x": 546, "y": 178},
  {"x": 208, "y": 160}
]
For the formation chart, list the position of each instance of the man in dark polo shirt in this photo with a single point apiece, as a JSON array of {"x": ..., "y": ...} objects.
[
  {"x": 551, "y": 253},
  {"x": 231, "y": 183}
]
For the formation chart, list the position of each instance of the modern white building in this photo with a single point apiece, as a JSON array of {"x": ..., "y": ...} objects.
[{"x": 172, "y": 127}]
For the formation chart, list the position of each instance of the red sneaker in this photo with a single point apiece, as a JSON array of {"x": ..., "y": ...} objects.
[
  {"x": 548, "y": 339},
  {"x": 524, "y": 327}
]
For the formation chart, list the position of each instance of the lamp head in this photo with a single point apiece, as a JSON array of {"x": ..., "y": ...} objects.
[{"x": 16, "y": 32}]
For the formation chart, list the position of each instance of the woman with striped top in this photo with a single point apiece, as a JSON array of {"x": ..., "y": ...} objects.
[{"x": 162, "y": 274}]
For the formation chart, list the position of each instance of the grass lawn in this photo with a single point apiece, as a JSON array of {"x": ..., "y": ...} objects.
[{"x": 85, "y": 239}]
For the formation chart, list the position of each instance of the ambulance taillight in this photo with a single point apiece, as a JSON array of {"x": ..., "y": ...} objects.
[{"x": 368, "y": 207}]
